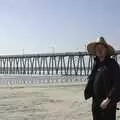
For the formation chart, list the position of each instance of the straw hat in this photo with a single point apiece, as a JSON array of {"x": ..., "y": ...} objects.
[{"x": 91, "y": 47}]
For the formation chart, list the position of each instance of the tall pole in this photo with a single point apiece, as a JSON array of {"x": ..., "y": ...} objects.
[{"x": 23, "y": 51}]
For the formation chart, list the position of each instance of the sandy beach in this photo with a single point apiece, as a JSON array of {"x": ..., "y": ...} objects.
[{"x": 45, "y": 103}]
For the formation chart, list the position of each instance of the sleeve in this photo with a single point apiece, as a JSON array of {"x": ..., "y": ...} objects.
[
  {"x": 88, "y": 92},
  {"x": 114, "y": 94}
]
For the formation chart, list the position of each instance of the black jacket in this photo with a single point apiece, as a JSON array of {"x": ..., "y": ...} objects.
[{"x": 104, "y": 81}]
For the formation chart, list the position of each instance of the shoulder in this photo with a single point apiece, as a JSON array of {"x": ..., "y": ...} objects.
[{"x": 113, "y": 63}]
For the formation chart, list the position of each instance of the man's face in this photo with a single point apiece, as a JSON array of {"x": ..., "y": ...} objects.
[{"x": 101, "y": 51}]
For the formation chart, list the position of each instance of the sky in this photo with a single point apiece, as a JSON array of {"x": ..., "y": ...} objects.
[{"x": 48, "y": 26}]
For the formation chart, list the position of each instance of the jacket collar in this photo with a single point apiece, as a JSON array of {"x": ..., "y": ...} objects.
[{"x": 96, "y": 59}]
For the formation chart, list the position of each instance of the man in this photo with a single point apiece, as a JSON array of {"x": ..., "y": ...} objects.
[{"x": 104, "y": 81}]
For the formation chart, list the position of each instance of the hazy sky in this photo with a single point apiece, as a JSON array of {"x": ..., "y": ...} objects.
[{"x": 42, "y": 26}]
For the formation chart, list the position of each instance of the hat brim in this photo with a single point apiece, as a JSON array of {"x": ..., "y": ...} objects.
[{"x": 92, "y": 48}]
